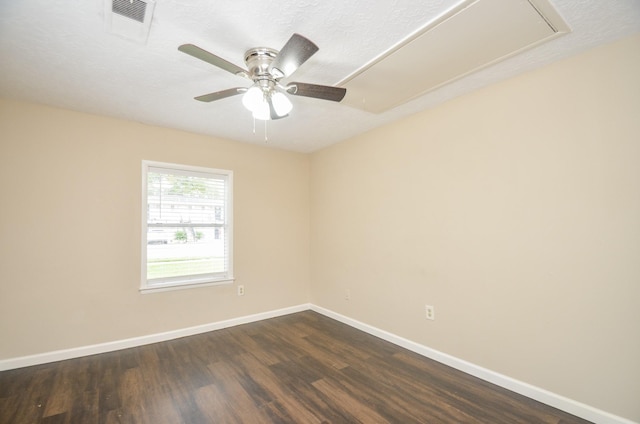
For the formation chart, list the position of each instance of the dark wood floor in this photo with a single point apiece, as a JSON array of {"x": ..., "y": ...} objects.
[{"x": 300, "y": 368}]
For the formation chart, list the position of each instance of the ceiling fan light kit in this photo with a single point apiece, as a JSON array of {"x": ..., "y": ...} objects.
[
  {"x": 267, "y": 97},
  {"x": 266, "y": 103}
]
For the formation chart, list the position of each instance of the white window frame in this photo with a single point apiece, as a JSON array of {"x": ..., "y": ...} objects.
[{"x": 177, "y": 283}]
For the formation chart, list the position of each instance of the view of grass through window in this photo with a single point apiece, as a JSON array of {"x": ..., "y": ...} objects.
[{"x": 174, "y": 267}]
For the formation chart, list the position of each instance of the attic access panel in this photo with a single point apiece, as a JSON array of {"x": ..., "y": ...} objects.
[{"x": 475, "y": 34}]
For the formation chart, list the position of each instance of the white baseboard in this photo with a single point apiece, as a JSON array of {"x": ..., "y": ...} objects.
[
  {"x": 544, "y": 396},
  {"x": 61, "y": 355},
  {"x": 568, "y": 405}
]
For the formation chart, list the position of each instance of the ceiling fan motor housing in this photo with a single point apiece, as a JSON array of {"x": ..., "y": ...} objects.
[{"x": 258, "y": 61}]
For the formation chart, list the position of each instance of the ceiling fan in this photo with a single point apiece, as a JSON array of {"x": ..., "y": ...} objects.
[{"x": 267, "y": 97}]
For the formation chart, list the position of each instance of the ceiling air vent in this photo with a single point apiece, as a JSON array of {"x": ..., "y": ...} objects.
[
  {"x": 132, "y": 9},
  {"x": 130, "y": 19}
]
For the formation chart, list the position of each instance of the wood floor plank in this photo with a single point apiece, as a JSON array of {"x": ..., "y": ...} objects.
[
  {"x": 290, "y": 401},
  {"x": 238, "y": 402},
  {"x": 348, "y": 406},
  {"x": 398, "y": 395},
  {"x": 55, "y": 419},
  {"x": 299, "y": 368},
  {"x": 61, "y": 398}
]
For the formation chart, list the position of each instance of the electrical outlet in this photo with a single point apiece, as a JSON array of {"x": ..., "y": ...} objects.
[
  {"x": 240, "y": 290},
  {"x": 347, "y": 295},
  {"x": 430, "y": 312}
]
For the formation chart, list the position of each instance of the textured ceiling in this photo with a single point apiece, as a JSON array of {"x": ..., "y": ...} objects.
[{"x": 58, "y": 53}]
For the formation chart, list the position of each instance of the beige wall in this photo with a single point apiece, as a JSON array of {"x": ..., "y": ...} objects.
[
  {"x": 516, "y": 212},
  {"x": 70, "y": 230}
]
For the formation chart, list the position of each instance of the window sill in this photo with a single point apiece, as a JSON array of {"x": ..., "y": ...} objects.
[{"x": 171, "y": 287}]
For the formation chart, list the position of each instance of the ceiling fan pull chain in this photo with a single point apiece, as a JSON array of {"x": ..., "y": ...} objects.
[{"x": 266, "y": 138}]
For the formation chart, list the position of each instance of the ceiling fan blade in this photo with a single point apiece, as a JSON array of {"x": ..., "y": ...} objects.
[
  {"x": 221, "y": 94},
  {"x": 211, "y": 58},
  {"x": 324, "y": 92},
  {"x": 294, "y": 53}
]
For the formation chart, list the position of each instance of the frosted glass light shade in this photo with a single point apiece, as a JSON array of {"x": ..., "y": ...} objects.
[
  {"x": 253, "y": 98},
  {"x": 281, "y": 104}
]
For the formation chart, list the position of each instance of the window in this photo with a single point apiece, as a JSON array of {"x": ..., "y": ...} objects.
[{"x": 186, "y": 226}]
